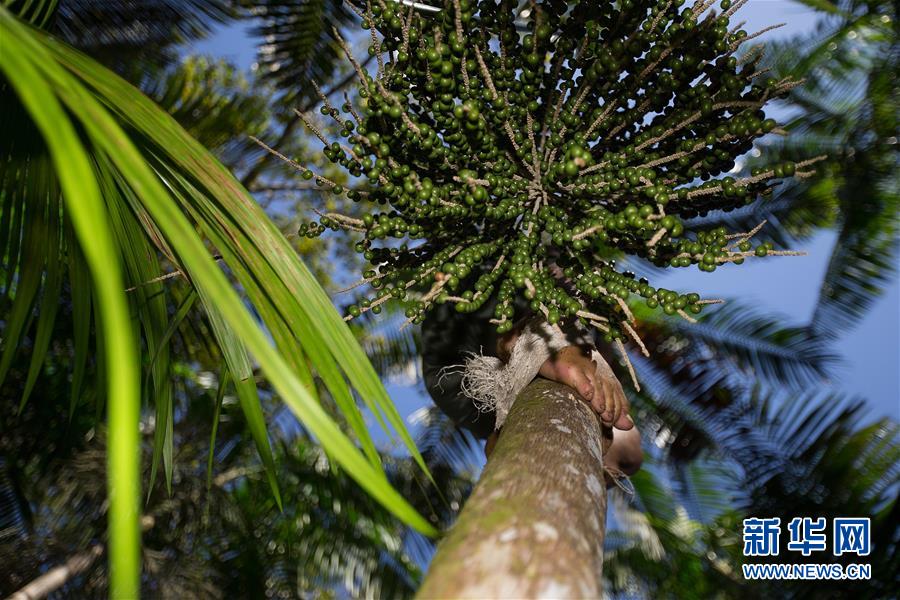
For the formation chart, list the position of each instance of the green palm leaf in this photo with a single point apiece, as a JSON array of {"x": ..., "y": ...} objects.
[
  {"x": 175, "y": 189},
  {"x": 656, "y": 549},
  {"x": 85, "y": 204},
  {"x": 394, "y": 352},
  {"x": 834, "y": 465},
  {"x": 861, "y": 265},
  {"x": 758, "y": 344},
  {"x": 731, "y": 348},
  {"x": 848, "y": 110}
]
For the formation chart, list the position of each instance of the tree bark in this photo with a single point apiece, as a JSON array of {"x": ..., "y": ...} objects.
[{"x": 535, "y": 523}]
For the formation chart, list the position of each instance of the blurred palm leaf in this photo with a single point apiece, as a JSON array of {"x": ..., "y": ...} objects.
[
  {"x": 847, "y": 110},
  {"x": 863, "y": 262},
  {"x": 833, "y": 465},
  {"x": 215, "y": 103},
  {"x": 392, "y": 347},
  {"x": 444, "y": 444},
  {"x": 838, "y": 465},
  {"x": 654, "y": 548},
  {"x": 699, "y": 377},
  {"x": 821, "y": 461},
  {"x": 133, "y": 34},
  {"x": 454, "y": 457},
  {"x": 298, "y": 45},
  {"x": 685, "y": 430},
  {"x": 331, "y": 533},
  {"x": 756, "y": 346},
  {"x": 228, "y": 538}
]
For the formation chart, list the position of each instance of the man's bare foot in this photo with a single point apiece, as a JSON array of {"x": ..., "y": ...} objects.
[{"x": 572, "y": 366}]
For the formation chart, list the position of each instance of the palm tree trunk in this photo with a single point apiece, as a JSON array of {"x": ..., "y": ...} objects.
[{"x": 535, "y": 523}]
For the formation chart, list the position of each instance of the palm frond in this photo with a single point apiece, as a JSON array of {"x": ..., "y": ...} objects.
[
  {"x": 394, "y": 352},
  {"x": 759, "y": 345},
  {"x": 177, "y": 191},
  {"x": 455, "y": 459},
  {"x": 226, "y": 538},
  {"x": 729, "y": 348},
  {"x": 685, "y": 429},
  {"x": 135, "y": 34},
  {"x": 835, "y": 464},
  {"x": 862, "y": 264},
  {"x": 822, "y": 5},
  {"x": 330, "y": 535},
  {"x": 215, "y": 103},
  {"x": 848, "y": 109},
  {"x": 656, "y": 549},
  {"x": 444, "y": 444},
  {"x": 706, "y": 487},
  {"x": 298, "y": 45}
]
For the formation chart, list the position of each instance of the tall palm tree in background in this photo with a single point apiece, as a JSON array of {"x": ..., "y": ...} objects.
[{"x": 721, "y": 445}]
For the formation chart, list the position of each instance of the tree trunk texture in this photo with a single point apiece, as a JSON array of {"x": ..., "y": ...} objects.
[{"x": 535, "y": 523}]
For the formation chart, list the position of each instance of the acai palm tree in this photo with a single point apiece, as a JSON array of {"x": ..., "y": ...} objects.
[{"x": 142, "y": 281}]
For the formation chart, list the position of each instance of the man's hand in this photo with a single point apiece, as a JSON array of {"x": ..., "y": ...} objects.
[{"x": 572, "y": 366}]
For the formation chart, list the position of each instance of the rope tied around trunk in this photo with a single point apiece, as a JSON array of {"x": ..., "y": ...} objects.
[{"x": 494, "y": 385}]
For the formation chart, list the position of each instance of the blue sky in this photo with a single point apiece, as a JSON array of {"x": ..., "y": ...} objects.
[{"x": 788, "y": 286}]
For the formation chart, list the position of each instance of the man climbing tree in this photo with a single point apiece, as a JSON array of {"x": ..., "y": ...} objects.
[
  {"x": 518, "y": 149},
  {"x": 453, "y": 361}
]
